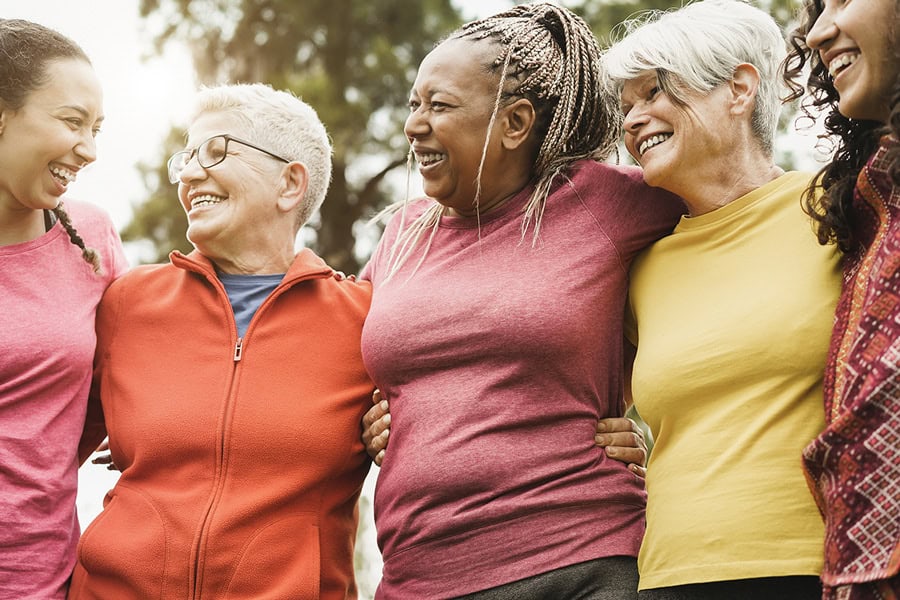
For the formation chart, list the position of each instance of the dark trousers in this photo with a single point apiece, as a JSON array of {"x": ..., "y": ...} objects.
[
  {"x": 766, "y": 588},
  {"x": 613, "y": 578}
]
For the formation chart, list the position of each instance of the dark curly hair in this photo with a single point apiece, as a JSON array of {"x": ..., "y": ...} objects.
[
  {"x": 26, "y": 49},
  {"x": 854, "y": 141}
]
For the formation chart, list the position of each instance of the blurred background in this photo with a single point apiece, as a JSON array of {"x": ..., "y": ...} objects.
[{"x": 353, "y": 60}]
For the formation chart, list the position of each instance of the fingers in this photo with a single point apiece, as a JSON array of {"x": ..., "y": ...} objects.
[
  {"x": 638, "y": 470},
  {"x": 376, "y": 428},
  {"x": 105, "y": 459},
  {"x": 623, "y": 441},
  {"x": 627, "y": 455},
  {"x": 618, "y": 424}
]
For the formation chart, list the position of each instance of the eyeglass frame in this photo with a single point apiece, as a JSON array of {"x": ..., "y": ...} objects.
[{"x": 228, "y": 138}]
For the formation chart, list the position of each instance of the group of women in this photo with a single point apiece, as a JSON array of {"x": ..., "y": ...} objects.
[{"x": 499, "y": 306}]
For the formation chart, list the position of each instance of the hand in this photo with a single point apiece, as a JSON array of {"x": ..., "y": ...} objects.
[
  {"x": 623, "y": 441},
  {"x": 376, "y": 428},
  {"x": 105, "y": 459}
]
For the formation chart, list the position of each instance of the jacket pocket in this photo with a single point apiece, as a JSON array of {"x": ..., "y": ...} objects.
[
  {"x": 122, "y": 554},
  {"x": 280, "y": 561}
]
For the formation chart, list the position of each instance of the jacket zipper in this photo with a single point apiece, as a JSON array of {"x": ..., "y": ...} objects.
[{"x": 197, "y": 583}]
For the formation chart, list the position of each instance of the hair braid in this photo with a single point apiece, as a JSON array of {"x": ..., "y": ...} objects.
[
  {"x": 549, "y": 56},
  {"x": 89, "y": 254}
]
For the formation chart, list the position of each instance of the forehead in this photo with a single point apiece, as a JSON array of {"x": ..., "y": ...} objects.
[
  {"x": 71, "y": 83},
  {"x": 636, "y": 85},
  {"x": 208, "y": 124},
  {"x": 457, "y": 66}
]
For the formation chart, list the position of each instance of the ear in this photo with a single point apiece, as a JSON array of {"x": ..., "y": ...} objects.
[
  {"x": 744, "y": 85},
  {"x": 518, "y": 121},
  {"x": 294, "y": 181}
]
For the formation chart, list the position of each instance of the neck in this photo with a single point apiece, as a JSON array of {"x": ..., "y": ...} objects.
[
  {"x": 483, "y": 207},
  {"x": 258, "y": 260},
  {"x": 720, "y": 188},
  {"x": 20, "y": 225}
]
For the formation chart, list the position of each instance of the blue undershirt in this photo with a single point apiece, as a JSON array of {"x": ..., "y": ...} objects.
[{"x": 246, "y": 293}]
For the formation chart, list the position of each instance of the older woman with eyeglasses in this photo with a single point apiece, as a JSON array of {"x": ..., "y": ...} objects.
[{"x": 204, "y": 366}]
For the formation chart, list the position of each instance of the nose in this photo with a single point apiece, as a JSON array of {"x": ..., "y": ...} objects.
[
  {"x": 822, "y": 31},
  {"x": 416, "y": 124},
  {"x": 634, "y": 120},
  {"x": 192, "y": 170},
  {"x": 86, "y": 148}
]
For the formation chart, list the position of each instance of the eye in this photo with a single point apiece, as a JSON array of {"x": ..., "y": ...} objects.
[
  {"x": 96, "y": 131},
  {"x": 413, "y": 105},
  {"x": 439, "y": 106},
  {"x": 74, "y": 122},
  {"x": 652, "y": 93}
]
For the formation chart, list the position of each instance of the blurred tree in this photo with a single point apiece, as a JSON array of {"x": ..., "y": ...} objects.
[{"x": 351, "y": 60}]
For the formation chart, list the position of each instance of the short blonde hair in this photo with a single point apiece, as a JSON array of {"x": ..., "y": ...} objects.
[{"x": 281, "y": 122}]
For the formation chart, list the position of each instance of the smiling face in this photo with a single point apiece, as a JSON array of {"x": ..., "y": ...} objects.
[
  {"x": 45, "y": 143},
  {"x": 674, "y": 143},
  {"x": 231, "y": 207},
  {"x": 853, "y": 39},
  {"x": 450, "y": 107}
]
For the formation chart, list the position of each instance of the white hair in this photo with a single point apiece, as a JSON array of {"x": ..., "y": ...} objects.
[
  {"x": 281, "y": 122},
  {"x": 698, "y": 47}
]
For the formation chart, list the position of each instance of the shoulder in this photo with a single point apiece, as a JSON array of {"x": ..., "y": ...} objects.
[
  {"x": 97, "y": 230},
  {"x": 87, "y": 215},
  {"x": 620, "y": 191},
  {"x": 615, "y": 184}
]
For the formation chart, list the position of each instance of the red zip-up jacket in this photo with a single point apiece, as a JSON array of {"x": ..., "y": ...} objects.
[{"x": 241, "y": 459}]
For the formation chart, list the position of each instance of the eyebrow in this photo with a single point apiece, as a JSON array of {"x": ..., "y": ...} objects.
[{"x": 82, "y": 111}]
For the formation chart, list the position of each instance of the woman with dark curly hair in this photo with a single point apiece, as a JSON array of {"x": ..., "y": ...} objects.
[{"x": 851, "y": 49}]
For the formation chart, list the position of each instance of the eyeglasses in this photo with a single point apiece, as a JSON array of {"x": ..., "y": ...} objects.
[{"x": 209, "y": 153}]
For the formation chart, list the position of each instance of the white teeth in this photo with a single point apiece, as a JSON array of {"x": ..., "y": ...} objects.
[
  {"x": 66, "y": 175},
  {"x": 841, "y": 61},
  {"x": 653, "y": 141},
  {"x": 206, "y": 200},
  {"x": 428, "y": 159}
]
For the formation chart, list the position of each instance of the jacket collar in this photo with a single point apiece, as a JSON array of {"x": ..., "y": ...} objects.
[{"x": 306, "y": 265}]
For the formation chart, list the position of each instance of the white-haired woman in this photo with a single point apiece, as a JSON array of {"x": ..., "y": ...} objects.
[
  {"x": 731, "y": 314},
  {"x": 205, "y": 366}
]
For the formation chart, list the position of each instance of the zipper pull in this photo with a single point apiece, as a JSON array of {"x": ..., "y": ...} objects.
[{"x": 238, "y": 349}]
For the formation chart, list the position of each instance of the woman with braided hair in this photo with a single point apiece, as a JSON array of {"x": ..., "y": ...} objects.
[
  {"x": 495, "y": 330},
  {"x": 55, "y": 263},
  {"x": 852, "y": 50}
]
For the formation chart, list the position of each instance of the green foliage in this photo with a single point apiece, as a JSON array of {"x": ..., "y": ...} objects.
[
  {"x": 160, "y": 219},
  {"x": 352, "y": 60}
]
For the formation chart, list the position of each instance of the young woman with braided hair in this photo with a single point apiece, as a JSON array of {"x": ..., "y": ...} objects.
[
  {"x": 852, "y": 50},
  {"x": 53, "y": 269},
  {"x": 496, "y": 324}
]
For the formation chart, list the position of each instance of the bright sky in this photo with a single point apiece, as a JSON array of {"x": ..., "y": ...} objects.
[{"x": 143, "y": 95}]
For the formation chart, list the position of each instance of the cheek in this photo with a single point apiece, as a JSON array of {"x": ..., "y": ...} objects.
[{"x": 629, "y": 146}]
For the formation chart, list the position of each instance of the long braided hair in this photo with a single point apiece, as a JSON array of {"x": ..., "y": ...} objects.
[
  {"x": 854, "y": 141},
  {"x": 25, "y": 50},
  {"x": 549, "y": 56}
]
